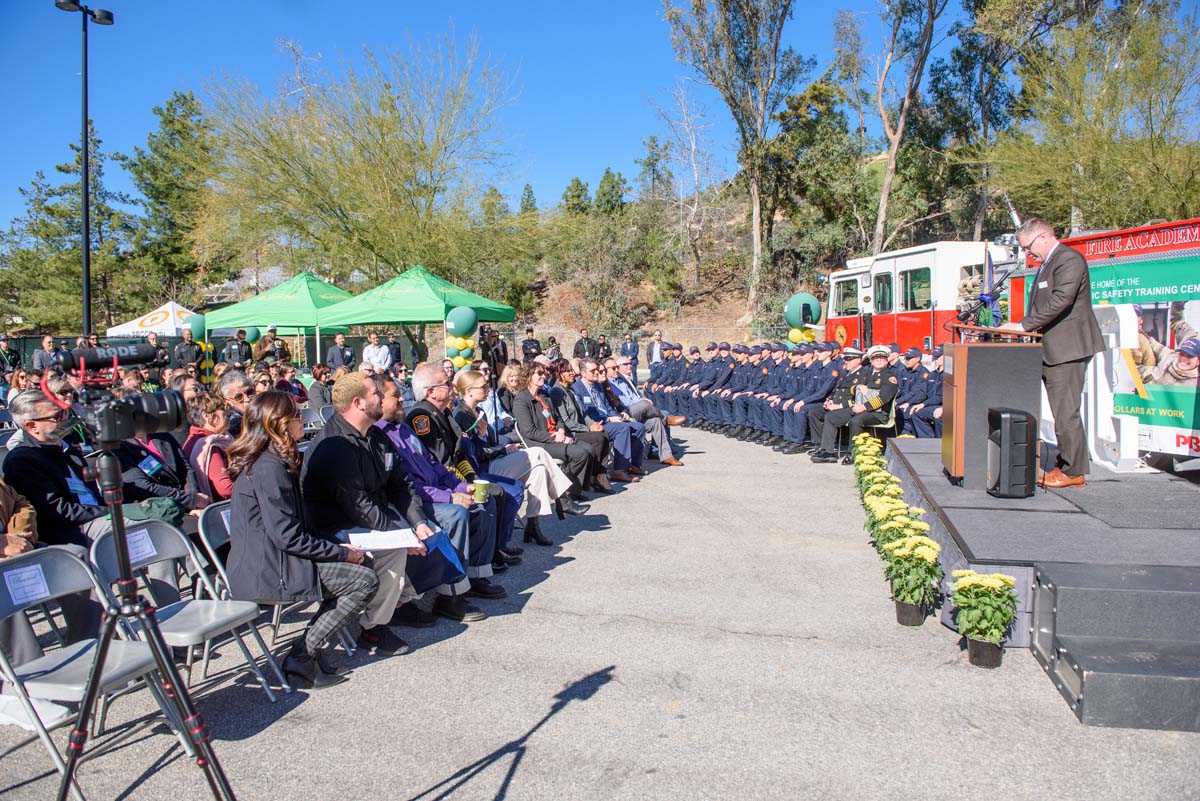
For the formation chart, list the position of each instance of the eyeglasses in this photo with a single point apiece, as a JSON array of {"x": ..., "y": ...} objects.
[
  {"x": 1029, "y": 244},
  {"x": 435, "y": 386},
  {"x": 242, "y": 397},
  {"x": 624, "y": 364},
  {"x": 54, "y": 418},
  {"x": 484, "y": 387}
]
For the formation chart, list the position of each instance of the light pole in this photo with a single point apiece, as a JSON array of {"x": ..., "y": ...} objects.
[{"x": 100, "y": 17}]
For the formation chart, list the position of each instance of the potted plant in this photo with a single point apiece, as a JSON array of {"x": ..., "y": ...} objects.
[
  {"x": 985, "y": 605},
  {"x": 912, "y": 565}
]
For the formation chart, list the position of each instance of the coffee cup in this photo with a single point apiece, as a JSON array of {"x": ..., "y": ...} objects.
[{"x": 481, "y": 490}]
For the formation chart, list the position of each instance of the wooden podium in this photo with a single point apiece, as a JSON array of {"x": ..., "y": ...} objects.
[{"x": 979, "y": 376}]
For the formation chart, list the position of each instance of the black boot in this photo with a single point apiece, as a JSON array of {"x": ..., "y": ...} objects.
[
  {"x": 304, "y": 672},
  {"x": 533, "y": 532}
]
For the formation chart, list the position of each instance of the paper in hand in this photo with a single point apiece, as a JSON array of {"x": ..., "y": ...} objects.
[{"x": 383, "y": 540}]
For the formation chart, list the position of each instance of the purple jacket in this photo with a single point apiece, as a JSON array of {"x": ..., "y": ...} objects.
[{"x": 430, "y": 478}]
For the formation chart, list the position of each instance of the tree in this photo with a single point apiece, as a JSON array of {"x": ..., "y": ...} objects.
[
  {"x": 170, "y": 174},
  {"x": 700, "y": 188},
  {"x": 1113, "y": 106},
  {"x": 40, "y": 262},
  {"x": 494, "y": 207},
  {"x": 528, "y": 202},
  {"x": 610, "y": 194},
  {"x": 736, "y": 47},
  {"x": 913, "y": 31},
  {"x": 655, "y": 178},
  {"x": 365, "y": 167},
  {"x": 575, "y": 198}
]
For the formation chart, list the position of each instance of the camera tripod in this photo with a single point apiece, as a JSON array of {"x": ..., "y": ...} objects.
[{"x": 132, "y": 607}]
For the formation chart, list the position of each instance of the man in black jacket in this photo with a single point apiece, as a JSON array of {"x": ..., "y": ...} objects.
[
  {"x": 352, "y": 478},
  {"x": 187, "y": 352}
]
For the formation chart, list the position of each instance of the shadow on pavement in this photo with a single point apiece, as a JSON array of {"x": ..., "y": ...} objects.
[{"x": 580, "y": 690}]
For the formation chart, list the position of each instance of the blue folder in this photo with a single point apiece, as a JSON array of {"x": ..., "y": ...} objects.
[{"x": 441, "y": 565}]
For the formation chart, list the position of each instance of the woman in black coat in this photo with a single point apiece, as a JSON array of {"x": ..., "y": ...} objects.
[
  {"x": 538, "y": 425},
  {"x": 569, "y": 411},
  {"x": 273, "y": 556}
]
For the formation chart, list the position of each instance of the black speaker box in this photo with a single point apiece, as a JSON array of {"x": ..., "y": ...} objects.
[{"x": 1011, "y": 453}]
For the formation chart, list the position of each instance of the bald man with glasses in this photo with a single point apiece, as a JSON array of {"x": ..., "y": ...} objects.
[{"x": 619, "y": 373}]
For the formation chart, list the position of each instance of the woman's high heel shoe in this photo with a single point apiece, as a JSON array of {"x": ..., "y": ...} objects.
[{"x": 533, "y": 532}]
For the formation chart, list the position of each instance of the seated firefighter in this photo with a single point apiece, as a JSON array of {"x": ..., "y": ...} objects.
[{"x": 861, "y": 398}]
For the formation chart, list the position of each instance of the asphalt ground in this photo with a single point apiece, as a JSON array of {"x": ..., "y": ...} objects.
[{"x": 716, "y": 631}]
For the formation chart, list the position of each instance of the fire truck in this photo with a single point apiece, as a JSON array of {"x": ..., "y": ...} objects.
[{"x": 909, "y": 296}]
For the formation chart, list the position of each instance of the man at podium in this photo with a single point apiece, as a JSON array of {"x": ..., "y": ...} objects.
[{"x": 1060, "y": 307}]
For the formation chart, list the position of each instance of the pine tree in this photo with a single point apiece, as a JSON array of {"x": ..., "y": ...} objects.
[
  {"x": 610, "y": 194},
  {"x": 40, "y": 262},
  {"x": 493, "y": 206},
  {"x": 575, "y": 198},
  {"x": 655, "y": 178},
  {"x": 528, "y": 202},
  {"x": 171, "y": 174}
]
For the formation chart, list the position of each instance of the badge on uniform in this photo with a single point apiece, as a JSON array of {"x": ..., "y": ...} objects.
[
  {"x": 421, "y": 424},
  {"x": 893, "y": 380},
  {"x": 833, "y": 373}
]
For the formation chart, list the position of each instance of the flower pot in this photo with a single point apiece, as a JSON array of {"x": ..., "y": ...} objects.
[
  {"x": 909, "y": 614},
  {"x": 984, "y": 654}
]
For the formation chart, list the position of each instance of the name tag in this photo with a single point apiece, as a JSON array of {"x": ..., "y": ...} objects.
[
  {"x": 150, "y": 465},
  {"x": 387, "y": 461},
  {"x": 80, "y": 490},
  {"x": 1042, "y": 285}
]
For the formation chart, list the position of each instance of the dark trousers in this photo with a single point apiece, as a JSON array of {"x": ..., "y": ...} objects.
[
  {"x": 580, "y": 463},
  {"x": 1064, "y": 387}
]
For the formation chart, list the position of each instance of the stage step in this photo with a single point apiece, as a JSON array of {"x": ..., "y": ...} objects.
[
  {"x": 1121, "y": 643},
  {"x": 1139, "y": 602},
  {"x": 1143, "y": 684}
]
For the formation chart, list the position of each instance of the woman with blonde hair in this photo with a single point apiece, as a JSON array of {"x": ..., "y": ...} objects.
[
  {"x": 508, "y": 385},
  {"x": 544, "y": 480}
]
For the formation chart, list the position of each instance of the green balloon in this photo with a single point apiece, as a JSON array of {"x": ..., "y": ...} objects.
[
  {"x": 466, "y": 353},
  {"x": 793, "y": 312},
  {"x": 195, "y": 324},
  {"x": 461, "y": 321},
  {"x": 252, "y": 335},
  {"x": 451, "y": 352}
]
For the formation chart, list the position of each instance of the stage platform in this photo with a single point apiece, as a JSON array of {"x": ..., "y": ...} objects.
[{"x": 1115, "y": 566}]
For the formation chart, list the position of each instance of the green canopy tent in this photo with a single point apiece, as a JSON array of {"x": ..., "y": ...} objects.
[
  {"x": 414, "y": 296},
  {"x": 294, "y": 305}
]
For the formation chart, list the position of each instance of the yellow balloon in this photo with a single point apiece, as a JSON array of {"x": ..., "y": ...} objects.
[
  {"x": 795, "y": 335},
  {"x": 207, "y": 364},
  {"x": 470, "y": 342}
]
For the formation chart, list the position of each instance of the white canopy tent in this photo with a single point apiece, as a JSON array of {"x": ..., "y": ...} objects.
[{"x": 166, "y": 320}]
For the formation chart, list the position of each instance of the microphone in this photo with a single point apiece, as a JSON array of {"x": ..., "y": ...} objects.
[{"x": 101, "y": 358}]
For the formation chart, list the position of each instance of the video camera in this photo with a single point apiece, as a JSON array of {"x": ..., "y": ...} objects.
[{"x": 112, "y": 420}]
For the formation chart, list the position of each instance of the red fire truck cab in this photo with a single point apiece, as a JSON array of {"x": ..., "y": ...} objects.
[{"x": 907, "y": 296}]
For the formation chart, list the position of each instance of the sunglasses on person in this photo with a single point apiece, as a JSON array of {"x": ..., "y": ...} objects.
[
  {"x": 242, "y": 397},
  {"x": 53, "y": 418}
]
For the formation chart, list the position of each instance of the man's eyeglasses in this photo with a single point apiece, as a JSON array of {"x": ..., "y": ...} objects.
[
  {"x": 53, "y": 418},
  {"x": 242, "y": 397}
]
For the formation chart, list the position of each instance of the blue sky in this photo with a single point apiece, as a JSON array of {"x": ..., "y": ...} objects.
[{"x": 585, "y": 74}]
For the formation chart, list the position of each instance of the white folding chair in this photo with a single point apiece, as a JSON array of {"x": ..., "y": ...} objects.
[
  {"x": 214, "y": 535},
  {"x": 185, "y": 624},
  {"x": 46, "y": 574}
]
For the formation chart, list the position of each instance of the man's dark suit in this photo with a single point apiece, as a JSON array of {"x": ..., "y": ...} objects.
[{"x": 1060, "y": 307}]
